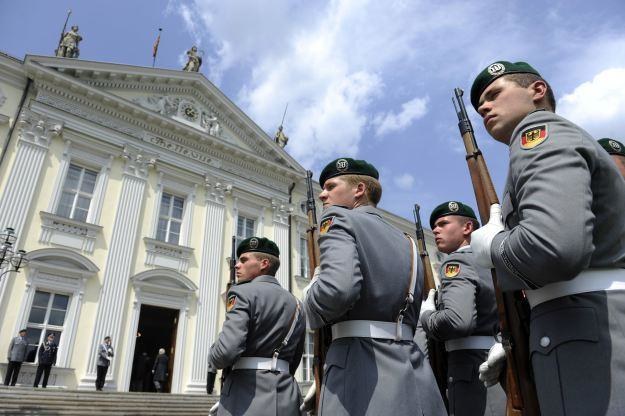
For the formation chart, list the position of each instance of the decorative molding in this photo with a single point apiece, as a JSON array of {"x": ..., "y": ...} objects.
[
  {"x": 173, "y": 256},
  {"x": 138, "y": 161},
  {"x": 3, "y": 98},
  {"x": 215, "y": 189},
  {"x": 281, "y": 211},
  {"x": 67, "y": 232},
  {"x": 36, "y": 129}
]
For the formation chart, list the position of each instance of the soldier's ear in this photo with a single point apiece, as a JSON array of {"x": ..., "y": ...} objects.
[{"x": 539, "y": 91}]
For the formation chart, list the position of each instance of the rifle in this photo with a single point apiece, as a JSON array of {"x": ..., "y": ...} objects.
[
  {"x": 520, "y": 389},
  {"x": 321, "y": 337},
  {"x": 437, "y": 355},
  {"x": 231, "y": 282}
]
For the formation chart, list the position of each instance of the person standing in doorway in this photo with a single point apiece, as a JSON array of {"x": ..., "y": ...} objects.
[
  {"x": 159, "y": 371},
  {"x": 105, "y": 353}
]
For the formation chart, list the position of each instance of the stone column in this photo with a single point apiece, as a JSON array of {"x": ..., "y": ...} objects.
[
  {"x": 35, "y": 133},
  {"x": 281, "y": 212},
  {"x": 112, "y": 301},
  {"x": 210, "y": 276}
]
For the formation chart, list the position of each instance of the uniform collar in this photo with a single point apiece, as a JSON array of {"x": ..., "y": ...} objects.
[
  {"x": 265, "y": 278},
  {"x": 464, "y": 248}
]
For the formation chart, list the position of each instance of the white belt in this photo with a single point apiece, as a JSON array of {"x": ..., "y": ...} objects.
[
  {"x": 371, "y": 329},
  {"x": 476, "y": 342},
  {"x": 590, "y": 280},
  {"x": 260, "y": 363}
]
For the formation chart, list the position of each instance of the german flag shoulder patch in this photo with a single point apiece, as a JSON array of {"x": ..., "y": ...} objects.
[
  {"x": 232, "y": 300},
  {"x": 326, "y": 224},
  {"x": 532, "y": 137},
  {"x": 452, "y": 269}
]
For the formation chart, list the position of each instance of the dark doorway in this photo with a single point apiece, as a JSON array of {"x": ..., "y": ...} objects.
[{"x": 157, "y": 329}]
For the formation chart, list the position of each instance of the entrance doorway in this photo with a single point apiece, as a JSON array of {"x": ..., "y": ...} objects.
[{"x": 157, "y": 329}]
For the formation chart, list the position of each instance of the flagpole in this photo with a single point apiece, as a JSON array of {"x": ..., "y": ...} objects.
[{"x": 155, "y": 47}]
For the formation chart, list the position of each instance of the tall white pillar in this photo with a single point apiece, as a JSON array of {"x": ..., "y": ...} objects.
[
  {"x": 210, "y": 276},
  {"x": 112, "y": 301},
  {"x": 34, "y": 135},
  {"x": 281, "y": 212}
]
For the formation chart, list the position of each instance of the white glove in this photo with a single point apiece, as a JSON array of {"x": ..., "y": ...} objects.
[
  {"x": 213, "y": 410},
  {"x": 492, "y": 367},
  {"x": 428, "y": 304},
  {"x": 316, "y": 274},
  {"x": 482, "y": 238},
  {"x": 308, "y": 404}
]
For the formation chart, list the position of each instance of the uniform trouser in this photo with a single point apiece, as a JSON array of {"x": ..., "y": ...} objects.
[
  {"x": 466, "y": 393},
  {"x": 159, "y": 385},
  {"x": 13, "y": 370},
  {"x": 45, "y": 370},
  {"x": 577, "y": 347},
  {"x": 99, "y": 381}
]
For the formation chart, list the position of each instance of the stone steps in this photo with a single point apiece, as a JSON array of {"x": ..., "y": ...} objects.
[{"x": 53, "y": 402}]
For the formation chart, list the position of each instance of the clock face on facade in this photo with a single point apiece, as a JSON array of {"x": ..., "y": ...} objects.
[{"x": 190, "y": 112}]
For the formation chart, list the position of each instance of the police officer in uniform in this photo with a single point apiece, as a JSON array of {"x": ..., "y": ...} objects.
[
  {"x": 616, "y": 150},
  {"x": 262, "y": 338},
  {"x": 465, "y": 316},
  {"x": 562, "y": 240},
  {"x": 365, "y": 287}
]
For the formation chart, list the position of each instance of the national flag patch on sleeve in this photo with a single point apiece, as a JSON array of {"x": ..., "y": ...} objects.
[
  {"x": 325, "y": 225},
  {"x": 452, "y": 269},
  {"x": 232, "y": 299},
  {"x": 534, "y": 136}
]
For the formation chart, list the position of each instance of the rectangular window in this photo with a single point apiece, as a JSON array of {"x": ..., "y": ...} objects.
[
  {"x": 77, "y": 193},
  {"x": 303, "y": 257},
  {"x": 245, "y": 228},
  {"x": 170, "y": 218},
  {"x": 307, "y": 358},
  {"x": 47, "y": 316}
]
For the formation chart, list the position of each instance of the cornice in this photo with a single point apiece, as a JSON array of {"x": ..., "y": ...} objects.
[{"x": 12, "y": 71}]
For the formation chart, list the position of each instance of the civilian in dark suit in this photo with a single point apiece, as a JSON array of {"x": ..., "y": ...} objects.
[
  {"x": 47, "y": 358},
  {"x": 15, "y": 357},
  {"x": 160, "y": 371}
]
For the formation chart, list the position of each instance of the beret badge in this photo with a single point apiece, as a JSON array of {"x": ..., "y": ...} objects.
[
  {"x": 342, "y": 165},
  {"x": 453, "y": 206}
]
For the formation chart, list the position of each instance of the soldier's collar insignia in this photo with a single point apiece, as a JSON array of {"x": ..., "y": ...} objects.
[
  {"x": 232, "y": 299},
  {"x": 325, "y": 225},
  {"x": 253, "y": 242},
  {"x": 614, "y": 145},
  {"x": 496, "y": 69},
  {"x": 532, "y": 137},
  {"x": 453, "y": 206},
  {"x": 452, "y": 269},
  {"x": 342, "y": 165}
]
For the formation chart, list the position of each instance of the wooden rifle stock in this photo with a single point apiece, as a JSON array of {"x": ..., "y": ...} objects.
[
  {"x": 232, "y": 280},
  {"x": 321, "y": 337},
  {"x": 520, "y": 389},
  {"x": 437, "y": 355}
]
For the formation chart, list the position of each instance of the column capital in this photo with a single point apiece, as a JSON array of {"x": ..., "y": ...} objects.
[
  {"x": 216, "y": 189},
  {"x": 36, "y": 129},
  {"x": 138, "y": 161},
  {"x": 281, "y": 210}
]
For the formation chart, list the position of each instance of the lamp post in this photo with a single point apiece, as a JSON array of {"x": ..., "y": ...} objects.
[{"x": 13, "y": 261}]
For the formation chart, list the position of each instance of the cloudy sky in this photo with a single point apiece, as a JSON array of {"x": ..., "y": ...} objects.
[{"x": 366, "y": 79}]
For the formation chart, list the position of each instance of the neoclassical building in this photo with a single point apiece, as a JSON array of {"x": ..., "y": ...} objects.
[{"x": 125, "y": 186}]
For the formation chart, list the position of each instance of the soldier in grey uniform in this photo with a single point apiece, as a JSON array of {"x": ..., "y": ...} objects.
[
  {"x": 616, "y": 150},
  {"x": 262, "y": 338},
  {"x": 15, "y": 357},
  {"x": 367, "y": 269},
  {"x": 562, "y": 240},
  {"x": 465, "y": 316}
]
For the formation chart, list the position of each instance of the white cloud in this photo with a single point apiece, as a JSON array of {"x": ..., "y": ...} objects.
[
  {"x": 404, "y": 181},
  {"x": 598, "y": 105},
  {"x": 410, "y": 111}
]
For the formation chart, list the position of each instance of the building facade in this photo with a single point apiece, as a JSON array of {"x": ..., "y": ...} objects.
[{"x": 125, "y": 186}]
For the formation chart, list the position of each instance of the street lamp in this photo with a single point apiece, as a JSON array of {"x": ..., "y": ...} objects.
[{"x": 8, "y": 257}]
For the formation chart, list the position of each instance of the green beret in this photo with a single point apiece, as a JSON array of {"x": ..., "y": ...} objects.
[
  {"x": 451, "y": 208},
  {"x": 347, "y": 166},
  {"x": 258, "y": 245},
  {"x": 494, "y": 71},
  {"x": 613, "y": 147}
]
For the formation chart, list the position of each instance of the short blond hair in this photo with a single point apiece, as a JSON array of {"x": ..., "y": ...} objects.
[{"x": 373, "y": 188}]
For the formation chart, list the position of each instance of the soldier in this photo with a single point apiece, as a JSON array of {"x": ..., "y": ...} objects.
[
  {"x": 262, "y": 338},
  {"x": 466, "y": 314},
  {"x": 563, "y": 243},
  {"x": 616, "y": 150},
  {"x": 368, "y": 276}
]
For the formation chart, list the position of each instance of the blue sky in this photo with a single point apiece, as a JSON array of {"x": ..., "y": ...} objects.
[{"x": 366, "y": 79}]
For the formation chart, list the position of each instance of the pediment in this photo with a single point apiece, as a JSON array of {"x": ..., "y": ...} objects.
[{"x": 182, "y": 97}]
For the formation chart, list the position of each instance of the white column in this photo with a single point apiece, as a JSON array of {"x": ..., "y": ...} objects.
[
  {"x": 176, "y": 379},
  {"x": 121, "y": 253},
  {"x": 34, "y": 134},
  {"x": 60, "y": 177},
  {"x": 281, "y": 212},
  {"x": 210, "y": 276}
]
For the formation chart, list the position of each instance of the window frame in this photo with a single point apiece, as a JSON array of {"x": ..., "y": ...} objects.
[
  {"x": 77, "y": 192},
  {"x": 46, "y": 327},
  {"x": 169, "y": 218}
]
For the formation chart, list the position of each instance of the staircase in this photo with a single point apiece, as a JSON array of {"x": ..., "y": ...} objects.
[{"x": 50, "y": 402}]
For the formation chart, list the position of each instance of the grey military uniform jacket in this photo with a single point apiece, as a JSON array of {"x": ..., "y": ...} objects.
[
  {"x": 103, "y": 352},
  {"x": 259, "y": 317},
  {"x": 466, "y": 307},
  {"x": 563, "y": 210},
  {"x": 364, "y": 274},
  {"x": 17, "y": 349}
]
